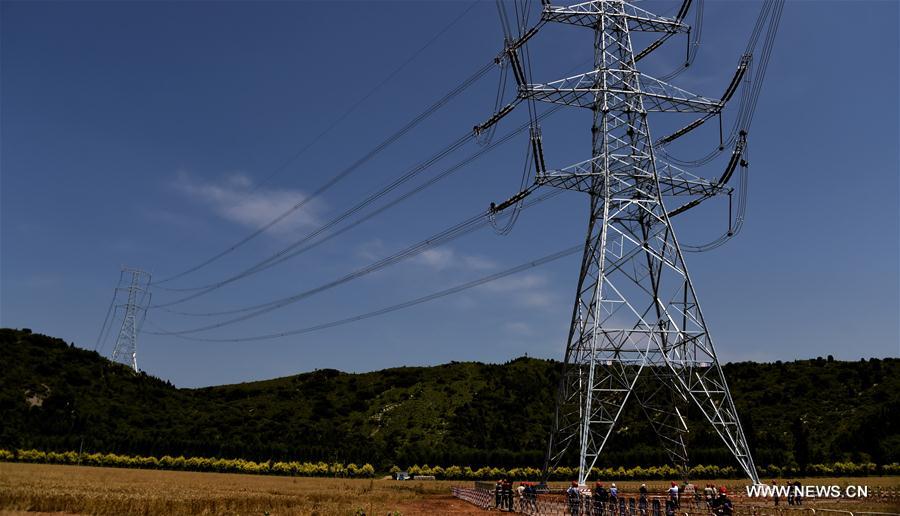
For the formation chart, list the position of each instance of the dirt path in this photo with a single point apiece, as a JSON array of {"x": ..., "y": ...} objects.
[{"x": 439, "y": 504}]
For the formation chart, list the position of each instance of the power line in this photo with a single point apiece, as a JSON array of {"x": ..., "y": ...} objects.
[
  {"x": 464, "y": 227},
  {"x": 460, "y": 229},
  {"x": 281, "y": 255},
  {"x": 472, "y": 79},
  {"x": 285, "y": 254},
  {"x": 393, "y": 308},
  {"x": 101, "y": 340},
  {"x": 365, "y": 97},
  {"x": 768, "y": 18},
  {"x": 268, "y": 262}
]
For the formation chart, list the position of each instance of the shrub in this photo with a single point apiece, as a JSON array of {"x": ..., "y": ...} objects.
[
  {"x": 295, "y": 468},
  {"x": 454, "y": 473}
]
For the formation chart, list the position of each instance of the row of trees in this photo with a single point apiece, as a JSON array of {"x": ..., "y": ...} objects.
[
  {"x": 323, "y": 469},
  {"x": 292, "y": 468},
  {"x": 651, "y": 473},
  {"x": 796, "y": 415}
]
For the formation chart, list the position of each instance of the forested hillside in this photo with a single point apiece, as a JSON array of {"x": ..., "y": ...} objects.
[{"x": 54, "y": 396}]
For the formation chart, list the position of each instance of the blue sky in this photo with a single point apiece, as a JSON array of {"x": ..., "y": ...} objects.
[{"x": 138, "y": 133}]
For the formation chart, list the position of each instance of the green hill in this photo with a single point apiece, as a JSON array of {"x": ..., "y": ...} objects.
[{"x": 54, "y": 396}]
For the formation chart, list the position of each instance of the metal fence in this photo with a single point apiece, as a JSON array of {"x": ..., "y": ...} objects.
[
  {"x": 806, "y": 511},
  {"x": 481, "y": 498},
  {"x": 556, "y": 504},
  {"x": 560, "y": 505}
]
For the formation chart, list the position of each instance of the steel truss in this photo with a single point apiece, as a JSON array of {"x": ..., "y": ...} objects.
[
  {"x": 137, "y": 298},
  {"x": 636, "y": 317}
]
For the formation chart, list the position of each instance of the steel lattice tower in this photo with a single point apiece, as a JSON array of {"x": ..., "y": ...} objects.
[
  {"x": 636, "y": 317},
  {"x": 135, "y": 306}
]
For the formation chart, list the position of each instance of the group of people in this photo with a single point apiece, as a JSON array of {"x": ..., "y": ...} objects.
[
  {"x": 602, "y": 500},
  {"x": 794, "y": 493},
  {"x": 503, "y": 495},
  {"x": 605, "y": 502}
]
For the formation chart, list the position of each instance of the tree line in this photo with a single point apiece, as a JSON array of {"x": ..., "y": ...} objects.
[
  {"x": 57, "y": 397},
  {"x": 334, "y": 469}
]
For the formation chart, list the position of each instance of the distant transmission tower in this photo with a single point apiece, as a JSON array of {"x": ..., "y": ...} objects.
[
  {"x": 636, "y": 316},
  {"x": 137, "y": 298}
]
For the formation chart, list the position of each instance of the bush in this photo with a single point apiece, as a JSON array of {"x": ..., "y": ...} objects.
[
  {"x": 321, "y": 469},
  {"x": 190, "y": 464}
]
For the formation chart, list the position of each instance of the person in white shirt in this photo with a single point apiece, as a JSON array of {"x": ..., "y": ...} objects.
[{"x": 673, "y": 494}]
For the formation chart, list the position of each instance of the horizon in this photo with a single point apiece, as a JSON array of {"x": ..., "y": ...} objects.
[{"x": 827, "y": 358}]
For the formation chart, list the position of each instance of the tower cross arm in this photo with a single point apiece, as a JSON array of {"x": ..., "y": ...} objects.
[
  {"x": 587, "y": 14},
  {"x": 665, "y": 97},
  {"x": 675, "y": 185},
  {"x": 673, "y": 181},
  {"x": 585, "y": 89}
]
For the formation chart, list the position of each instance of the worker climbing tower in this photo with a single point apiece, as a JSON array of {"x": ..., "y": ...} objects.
[{"x": 636, "y": 318}]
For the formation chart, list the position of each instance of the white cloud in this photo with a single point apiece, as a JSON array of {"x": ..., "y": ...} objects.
[
  {"x": 237, "y": 200},
  {"x": 517, "y": 283},
  {"x": 479, "y": 263},
  {"x": 443, "y": 258},
  {"x": 439, "y": 259},
  {"x": 529, "y": 290},
  {"x": 371, "y": 250}
]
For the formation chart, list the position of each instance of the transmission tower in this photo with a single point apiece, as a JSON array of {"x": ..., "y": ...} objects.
[
  {"x": 137, "y": 298},
  {"x": 636, "y": 317}
]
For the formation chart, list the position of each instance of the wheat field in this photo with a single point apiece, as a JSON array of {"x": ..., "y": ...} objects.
[
  {"x": 58, "y": 489},
  {"x": 112, "y": 491}
]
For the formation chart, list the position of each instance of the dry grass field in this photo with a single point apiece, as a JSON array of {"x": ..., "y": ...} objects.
[
  {"x": 90, "y": 490},
  {"x": 111, "y": 491}
]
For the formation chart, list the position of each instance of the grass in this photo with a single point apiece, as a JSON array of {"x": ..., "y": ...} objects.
[
  {"x": 115, "y": 491},
  {"x": 107, "y": 491}
]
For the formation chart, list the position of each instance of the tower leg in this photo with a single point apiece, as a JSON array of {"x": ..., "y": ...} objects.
[
  {"x": 602, "y": 361},
  {"x": 636, "y": 310}
]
